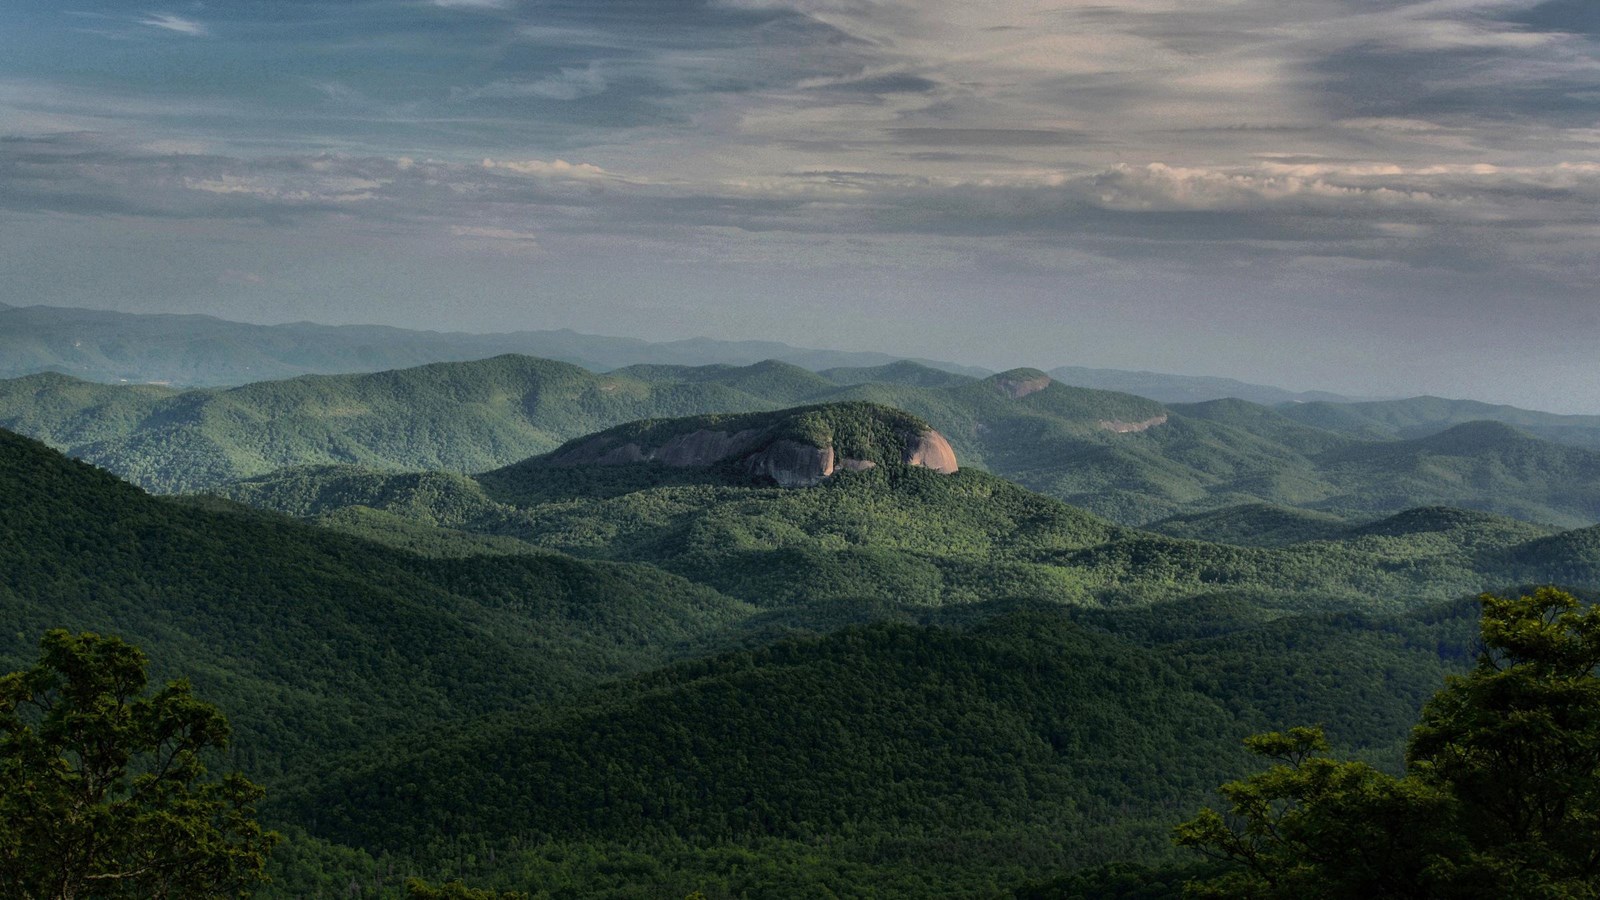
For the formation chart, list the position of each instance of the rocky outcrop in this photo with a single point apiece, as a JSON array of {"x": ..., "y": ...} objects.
[
  {"x": 696, "y": 448},
  {"x": 762, "y": 452},
  {"x": 1120, "y": 427},
  {"x": 1018, "y": 386},
  {"x": 791, "y": 463},
  {"x": 931, "y": 451}
]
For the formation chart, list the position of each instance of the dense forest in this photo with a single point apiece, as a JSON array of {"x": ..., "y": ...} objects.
[
  {"x": 1124, "y": 457},
  {"x": 608, "y": 681}
]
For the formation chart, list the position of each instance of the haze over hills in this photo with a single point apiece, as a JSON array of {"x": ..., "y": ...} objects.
[
  {"x": 1422, "y": 416},
  {"x": 195, "y": 350},
  {"x": 1169, "y": 388},
  {"x": 200, "y": 351}
]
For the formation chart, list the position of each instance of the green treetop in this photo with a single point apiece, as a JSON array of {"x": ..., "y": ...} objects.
[
  {"x": 1501, "y": 797},
  {"x": 103, "y": 792}
]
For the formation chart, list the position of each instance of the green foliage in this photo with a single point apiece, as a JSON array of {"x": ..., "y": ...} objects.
[
  {"x": 310, "y": 640},
  {"x": 1317, "y": 827},
  {"x": 1060, "y": 440},
  {"x": 103, "y": 789},
  {"x": 923, "y": 760},
  {"x": 892, "y": 536},
  {"x": 1517, "y": 744},
  {"x": 418, "y": 889},
  {"x": 1501, "y": 798},
  {"x": 1020, "y": 689}
]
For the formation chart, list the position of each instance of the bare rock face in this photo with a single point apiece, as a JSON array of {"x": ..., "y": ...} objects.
[
  {"x": 931, "y": 451},
  {"x": 1119, "y": 427},
  {"x": 697, "y": 448},
  {"x": 788, "y": 462},
  {"x": 1017, "y": 388},
  {"x": 702, "y": 448},
  {"x": 792, "y": 464}
]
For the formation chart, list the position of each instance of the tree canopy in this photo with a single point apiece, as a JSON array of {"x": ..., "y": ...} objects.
[
  {"x": 103, "y": 788},
  {"x": 1501, "y": 795}
]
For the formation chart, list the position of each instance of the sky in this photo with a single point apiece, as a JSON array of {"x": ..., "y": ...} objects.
[{"x": 1368, "y": 196}]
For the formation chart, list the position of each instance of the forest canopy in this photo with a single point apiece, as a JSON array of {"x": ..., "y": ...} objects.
[{"x": 1501, "y": 794}]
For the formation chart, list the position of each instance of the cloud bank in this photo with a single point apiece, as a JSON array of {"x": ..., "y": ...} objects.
[{"x": 1422, "y": 175}]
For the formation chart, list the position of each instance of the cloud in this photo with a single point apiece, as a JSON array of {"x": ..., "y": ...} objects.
[
  {"x": 175, "y": 23},
  {"x": 557, "y": 168},
  {"x": 572, "y": 83},
  {"x": 989, "y": 137},
  {"x": 494, "y": 233},
  {"x": 1532, "y": 219}
]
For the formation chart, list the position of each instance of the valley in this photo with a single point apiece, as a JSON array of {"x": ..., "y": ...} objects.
[{"x": 819, "y": 639}]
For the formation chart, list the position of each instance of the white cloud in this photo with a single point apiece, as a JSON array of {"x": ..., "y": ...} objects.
[
  {"x": 556, "y": 168},
  {"x": 572, "y": 83},
  {"x": 494, "y": 234},
  {"x": 179, "y": 24},
  {"x": 473, "y": 4}
]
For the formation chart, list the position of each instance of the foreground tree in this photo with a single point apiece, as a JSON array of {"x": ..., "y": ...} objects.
[
  {"x": 1501, "y": 796},
  {"x": 103, "y": 792}
]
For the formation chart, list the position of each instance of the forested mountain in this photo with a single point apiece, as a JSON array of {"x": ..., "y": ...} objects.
[
  {"x": 1020, "y": 687},
  {"x": 896, "y": 534},
  {"x": 450, "y": 416},
  {"x": 1423, "y": 416},
  {"x": 311, "y": 640},
  {"x": 1124, "y": 457},
  {"x": 886, "y": 760},
  {"x": 100, "y": 345}
]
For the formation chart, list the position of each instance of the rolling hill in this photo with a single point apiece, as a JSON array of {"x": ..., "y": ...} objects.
[
  {"x": 896, "y": 683},
  {"x": 1124, "y": 457},
  {"x": 894, "y": 533},
  {"x": 1421, "y": 416},
  {"x": 193, "y": 350},
  {"x": 309, "y": 639}
]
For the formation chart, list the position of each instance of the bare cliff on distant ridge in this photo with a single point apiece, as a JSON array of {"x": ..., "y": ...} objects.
[{"x": 793, "y": 448}]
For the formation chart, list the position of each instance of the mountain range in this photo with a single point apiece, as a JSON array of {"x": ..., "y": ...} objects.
[
  {"x": 198, "y": 351},
  {"x": 608, "y": 678},
  {"x": 873, "y": 628},
  {"x": 1128, "y": 458}
]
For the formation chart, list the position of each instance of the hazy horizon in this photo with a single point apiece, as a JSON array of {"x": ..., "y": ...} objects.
[{"x": 1372, "y": 199}]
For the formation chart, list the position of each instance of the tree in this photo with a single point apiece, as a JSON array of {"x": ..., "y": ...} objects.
[
  {"x": 1501, "y": 797},
  {"x": 418, "y": 889},
  {"x": 103, "y": 790}
]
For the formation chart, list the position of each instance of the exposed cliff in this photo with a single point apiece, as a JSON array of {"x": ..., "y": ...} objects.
[
  {"x": 794, "y": 447},
  {"x": 1019, "y": 383}
]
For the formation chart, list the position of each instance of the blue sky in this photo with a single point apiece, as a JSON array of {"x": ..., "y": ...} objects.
[{"x": 1363, "y": 195}]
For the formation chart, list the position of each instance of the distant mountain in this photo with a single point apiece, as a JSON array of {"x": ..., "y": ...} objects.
[
  {"x": 1422, "y": 416},
  {"x": 1125, "y": 457},
  {"x": 459, "y": 417},
  {"x": 904, "y": 372},
  {"x": 798, "y": 447},
  {"x": 194, "y": 350},
  {"x": 1185, "y": 388},
  {"x": 886, "y": 534}
]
